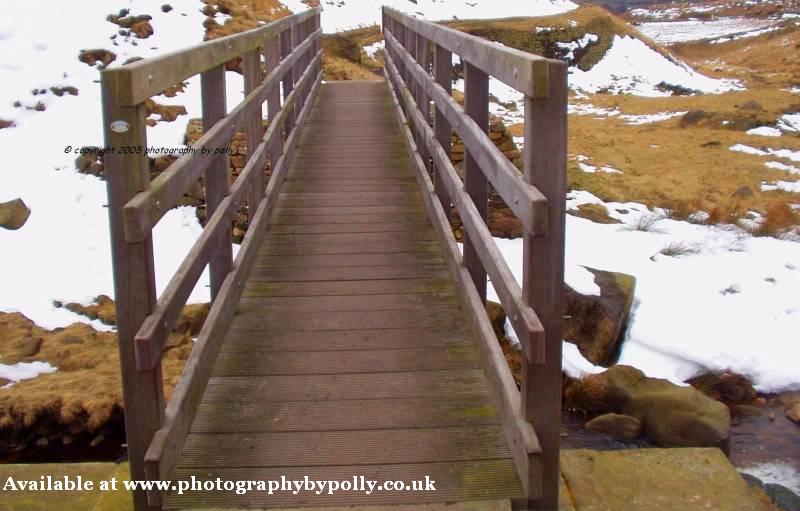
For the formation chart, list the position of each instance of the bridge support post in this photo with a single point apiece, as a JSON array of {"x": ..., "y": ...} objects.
[
  {"x": 543, "y": 277},
  {"x": 476, "y": 105},
  {"x": 134, "y": 275}
]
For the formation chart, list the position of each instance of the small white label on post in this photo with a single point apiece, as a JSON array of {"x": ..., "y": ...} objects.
[{"x": 120, "y": 126}]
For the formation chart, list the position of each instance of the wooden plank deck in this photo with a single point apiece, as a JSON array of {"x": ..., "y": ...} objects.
[{"x": 349, "y": 354}]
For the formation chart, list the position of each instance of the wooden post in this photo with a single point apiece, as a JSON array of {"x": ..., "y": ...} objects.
[
  {"x": 443, "y": 72},
  {"x": 543, "y": 274},
  {"x": 134, "y": 276},
  {"x": 422, "y": 54},
  {"x": 252, "y": 127},
  {"x": 217, "y": 179},
  {"x": 272, "y": 56},
  {"x": 297, "y": 38},
  {"x": 288, "y": 79},
  {"x": 476, "y": 97}
]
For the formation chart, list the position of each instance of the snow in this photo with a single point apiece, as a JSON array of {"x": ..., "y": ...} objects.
[
  {"x": 752, "y": 33},
  {"x": 630, "y": 66},
  {"x": 781, "y": 166},
  {"x": 24, "y": 371},
  {"x": 765, "y": 131},
  {"x": 789, "y": 122},
  {"x": 669, "y": 32},
  {"x": 780, "y": 153},
  {"x": 349, "y": 14},
  {"x": 682, "y": 318},
  {"x": 786, "y": 186},
  {"x": 637, "y": 120},
  {"x": 581, "y": 43},
  {"x": 63, "y": 251},
  {"x": 373, "y": 48},
  {"x": 741, "y": 148}
]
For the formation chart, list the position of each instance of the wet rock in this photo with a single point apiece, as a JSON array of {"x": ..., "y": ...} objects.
[
  {"x": 13, "y": 214},
  {"x": 793, "y": 414},
  {"x": 596, "y": 324},
  {"x": 671, "y": 415},
  {"x": 752, "y": 481},
  {"x": 784, "y": 498},
  {"x": 725, "y": 386},
  {"x": 618, "y": 425}
]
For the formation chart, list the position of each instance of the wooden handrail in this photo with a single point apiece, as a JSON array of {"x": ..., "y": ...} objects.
[
  {"x": 134, "y": 83},
  {"x": 522, "y": 316},
  {"x": 525, "y": 72},
  {"x": 527, "y": 203},
  {"x": 152, "y": 336},
  {"x": 156, "y": 430},
  {"x": 144, "y": 211},
  {"x": 531, "y": 417}
]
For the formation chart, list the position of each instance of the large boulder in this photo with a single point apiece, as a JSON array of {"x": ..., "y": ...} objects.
[
  {"x": 671, "y": 415},
  {"x": 13, "y": 214},
  {"x": 597, "y": 324},
  {"x": 616, "y": 424}
]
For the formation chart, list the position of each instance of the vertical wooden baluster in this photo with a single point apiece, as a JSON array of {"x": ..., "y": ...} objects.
[
  {"x": 476, "y": 93},
  {"x": 543, "y": 274},
  {"x": 272, "y": 56},
  {"x": 424, "y": 102},
  {"x": 252, "y": 128},
  {"x": 217, "y": 175},
  {"x": 288, "y": 83},
  {"x": 297, "y": 38},
  {"x": 134, "y": 278},
  {"x": 443, "y": 71},
  {"x": 318, "y": 47}
]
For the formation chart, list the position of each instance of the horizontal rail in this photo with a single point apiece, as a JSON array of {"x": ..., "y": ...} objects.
[
  {"x": 523, "y": 71},
  {"x": 147, "y": 207},
  {"x": 523, "y": 318},
  {"x": 136, "y": 82},
  {"x": 167, "y": 443},
  {"x": 152, "y": 336},
  {"x": 524, "y": 199},
  {"x": 520, "y": 433}
]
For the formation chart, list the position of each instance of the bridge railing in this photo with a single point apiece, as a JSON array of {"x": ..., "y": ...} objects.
[
  {"x": 291, "y": 51},
  {"x": 418, "y": 57}
]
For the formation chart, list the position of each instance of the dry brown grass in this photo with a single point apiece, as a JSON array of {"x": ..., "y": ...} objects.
[
  {"x": 85, "y": 392},
  {"x": 343, "y": 58}
]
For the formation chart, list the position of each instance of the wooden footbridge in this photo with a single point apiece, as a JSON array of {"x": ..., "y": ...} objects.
[{"x": 349, "y": 335}]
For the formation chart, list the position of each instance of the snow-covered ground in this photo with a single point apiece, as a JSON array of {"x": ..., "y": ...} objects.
[
  {"x": 340, "y": 15},
  {"x": 631, "y": 66},
  {"x": 63, "y": 251},
  {"x": 730, "y": 302},
  {"x": 668, "y": 32}
]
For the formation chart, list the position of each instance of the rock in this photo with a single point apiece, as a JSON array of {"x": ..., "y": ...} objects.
[
  {"x": 745, "y": 411},
  {"x": 14, "y": 214},
  {"x": 597, "y": 213},
  {"x": 672, "y": 416},
  {"x": 42, "y": 442},
  {"x": 93, "y": 56},
  {"x": 614, "y": 424},
  {"x": 497, "y": 317},
  {"x": 166, "y": 8},
  {"x": 783, "y": 497},
  {"x": 788, "y": 399},
  {"x": 793, "y": 414},
  {"x": 596, "y": 324},
  {"x": 67, "y": 439},
  {"x": 60, "y": 91},
  {"x": 655, "y": 480},
  {"x": 725, "y": 386},
  {"x": 97, "y": 440},
  {"x": 751, "y": 480},
  {"x": 6, "y": 124},
  {"x": 142, "y": 29},
  {"x": 743, "y": 192},
  {"x": 4, "y": 381}
]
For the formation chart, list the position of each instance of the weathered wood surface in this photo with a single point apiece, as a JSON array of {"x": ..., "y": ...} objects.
[{"x": 349, "y": 354}]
